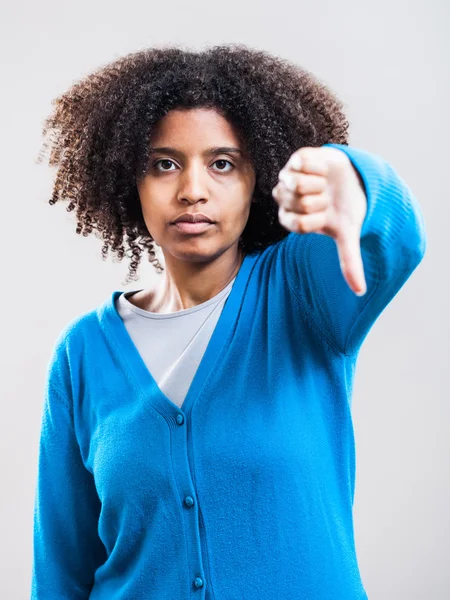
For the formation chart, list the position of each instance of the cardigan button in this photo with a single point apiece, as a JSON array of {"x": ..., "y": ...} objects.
[
  {"x": 180, "y": 419},
  {"x": 189, "y": 501},
  {"x": 198, "y": 582}
]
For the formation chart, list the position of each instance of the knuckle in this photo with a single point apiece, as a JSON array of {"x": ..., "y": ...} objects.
[
  {"x": 284, "y": 198},
  {"x": 302, "y": 185},
  {"x": 277, "y": 193},
  {"x": 281, "y": 174},
  {"x": 281, "y": 215},
  {"x": 301, "y": 226},
  {"x": 308, "y": 154},
  {"x": 306, "y": 204}
]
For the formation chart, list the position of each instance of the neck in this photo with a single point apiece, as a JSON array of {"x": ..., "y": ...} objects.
[{"x": 187, "y": 284}]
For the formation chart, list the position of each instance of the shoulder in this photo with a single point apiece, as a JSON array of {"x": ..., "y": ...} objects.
[{"x": 69, "y": 346}]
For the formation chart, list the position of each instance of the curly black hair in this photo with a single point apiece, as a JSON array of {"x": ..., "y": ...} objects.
[{"x": 98, "y": 133}]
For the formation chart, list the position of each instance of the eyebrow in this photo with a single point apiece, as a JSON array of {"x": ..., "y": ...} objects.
[{"x": 210, "y": 151}]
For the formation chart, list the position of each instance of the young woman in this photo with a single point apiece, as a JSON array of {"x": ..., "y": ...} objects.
[{"x": 197, "y": 438}]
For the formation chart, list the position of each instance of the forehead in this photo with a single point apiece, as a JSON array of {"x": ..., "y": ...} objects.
[{"x": 195, "y": 126}]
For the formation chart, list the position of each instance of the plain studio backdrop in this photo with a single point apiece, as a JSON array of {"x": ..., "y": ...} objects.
[{"x": 389, "y": 64}]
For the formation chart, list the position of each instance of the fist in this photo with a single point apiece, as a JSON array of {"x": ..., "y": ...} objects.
[{"x": 319, "y": 190}]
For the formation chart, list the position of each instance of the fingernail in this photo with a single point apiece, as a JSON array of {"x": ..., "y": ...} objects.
[
  {"x": 296, "y": 162},
  {"x": 361, "y": 293},
  {"x": 288, "y": 180}
]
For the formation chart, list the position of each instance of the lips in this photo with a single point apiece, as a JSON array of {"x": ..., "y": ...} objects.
[{"x": 193, "y": 218}]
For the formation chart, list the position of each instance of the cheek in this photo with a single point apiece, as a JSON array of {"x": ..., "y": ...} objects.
[
  {"x": 240, "y": 197},
  {"x": 237, "y": 212},
  {"x": 152, "y": 209},
  {"x": 154, "y": 219},
  {"x": 245, "y": 204}
]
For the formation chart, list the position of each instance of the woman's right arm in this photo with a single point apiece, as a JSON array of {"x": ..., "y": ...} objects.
[{"x": 67, "y": 548}]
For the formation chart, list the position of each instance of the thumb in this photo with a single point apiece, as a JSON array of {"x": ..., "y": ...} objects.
[{"x": 350, "y": 259}]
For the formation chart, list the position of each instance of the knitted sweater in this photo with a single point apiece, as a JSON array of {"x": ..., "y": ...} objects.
[{"x": 245, "y": 492}]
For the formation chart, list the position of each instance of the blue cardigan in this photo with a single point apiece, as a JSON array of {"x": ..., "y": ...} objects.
[{"x": 246, "y": 491}]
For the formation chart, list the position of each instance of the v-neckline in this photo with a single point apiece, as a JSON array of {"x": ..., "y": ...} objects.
[{"x": 135, "y": 367}]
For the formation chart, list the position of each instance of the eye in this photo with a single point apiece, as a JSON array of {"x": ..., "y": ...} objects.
[
  {"x": 166, "y": 161},
  {"x": 163, "y": 160},
  {"x": 222, "y": 160}
]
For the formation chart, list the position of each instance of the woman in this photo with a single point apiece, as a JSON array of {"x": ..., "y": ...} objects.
[{"x": 197, "y": 437}]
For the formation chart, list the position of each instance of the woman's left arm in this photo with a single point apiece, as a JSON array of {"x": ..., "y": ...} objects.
[{"x": 364, "y": 229}]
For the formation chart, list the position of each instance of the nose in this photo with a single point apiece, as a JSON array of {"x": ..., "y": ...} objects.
[{"x": 193, "y": 184}]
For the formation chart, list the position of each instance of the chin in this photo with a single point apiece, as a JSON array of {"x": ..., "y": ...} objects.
[{"x": 196, "y": 254}]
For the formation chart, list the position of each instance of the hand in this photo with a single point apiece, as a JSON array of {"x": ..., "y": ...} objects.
[{"x": 320, "y": 191}]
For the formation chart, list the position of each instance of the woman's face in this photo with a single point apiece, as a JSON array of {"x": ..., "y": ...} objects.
[{"x": 197, "y": 165}]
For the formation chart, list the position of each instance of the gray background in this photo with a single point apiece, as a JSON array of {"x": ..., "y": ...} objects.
[{"x": 389, "y": 63}]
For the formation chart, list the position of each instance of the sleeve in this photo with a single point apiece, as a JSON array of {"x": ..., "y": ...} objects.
[
  {"x": 66, "y": 547},
  {"x": 392, "y": 240}
]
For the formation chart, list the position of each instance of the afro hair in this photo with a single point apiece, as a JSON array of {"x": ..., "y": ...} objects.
[{"x": 98, "y": 134}]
